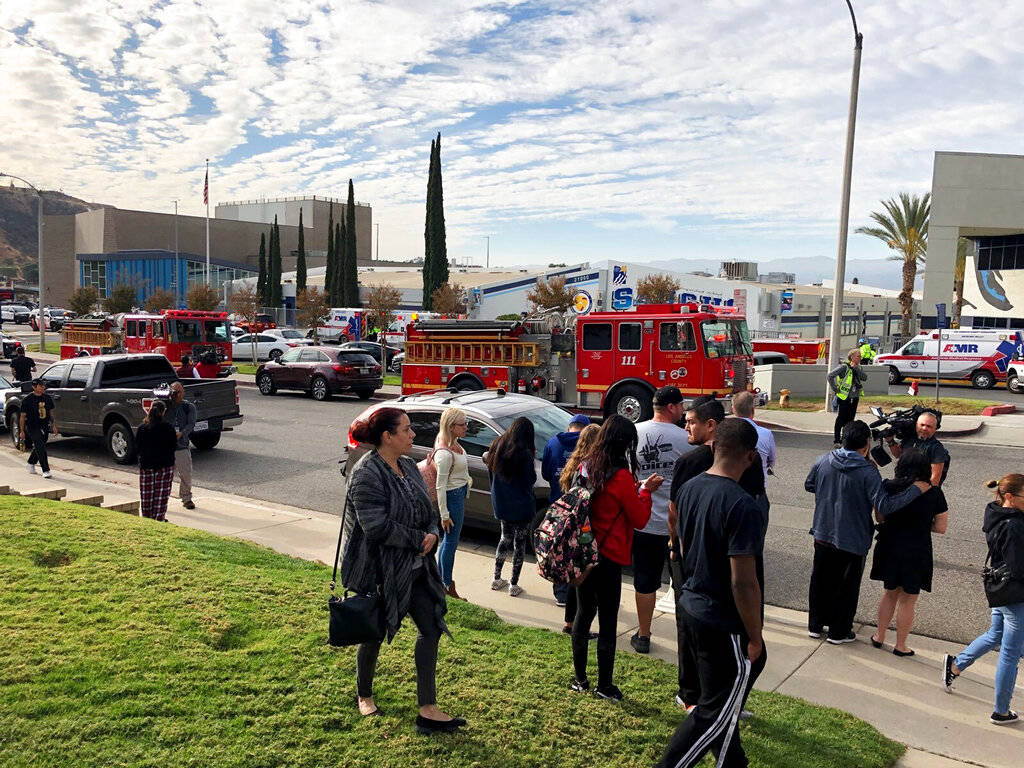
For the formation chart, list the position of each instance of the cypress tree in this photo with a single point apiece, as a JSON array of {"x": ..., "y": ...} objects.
[
  {"x": 350, "y": 277},
  {"x": 275, "y": 266},
  {"x": 427, "y": 300},
  {"x": 300, "y": 261},
  {"x": 339, "y": 257},
  {"x": 261, "y": 279},
  {"x": 438, "y": 239},
  {"x": 329, "y": 270}
]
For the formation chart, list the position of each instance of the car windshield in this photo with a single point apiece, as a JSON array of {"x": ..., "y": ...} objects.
[
  {"x": 548, "y": 421},
  {"x": 725, "y": 337},
  {"x": 186, "y": 331},
  {"x": 291, "y": 335},
  {"x": 4, "y": 383}
]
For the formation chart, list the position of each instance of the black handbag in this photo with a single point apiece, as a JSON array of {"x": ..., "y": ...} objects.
[
  {"x": 355, "y": 618},
  {"x": 1001, "y": 586}
]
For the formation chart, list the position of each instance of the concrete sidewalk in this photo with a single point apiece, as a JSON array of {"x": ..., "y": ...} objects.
[{"x": 903, "y": 698}]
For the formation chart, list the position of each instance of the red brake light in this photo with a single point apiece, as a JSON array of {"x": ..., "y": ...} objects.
[
  {"x": 376, "y": 369},
  {"x": 352, "y": 442}
]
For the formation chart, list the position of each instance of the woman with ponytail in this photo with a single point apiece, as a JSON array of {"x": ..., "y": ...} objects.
[
  {"x": 391, "y": 533},
  {"x": 1004, "y": 532},
  {"x": 155, "y": 442}
]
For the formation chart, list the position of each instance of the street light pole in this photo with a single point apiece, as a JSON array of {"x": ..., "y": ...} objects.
[
  {"x": 177, "y": 259},
  {"x": 39, "y": 246},
  {"x": 487, "y": 263},
  {"x": 378, "y": 240},
  {"x": 844, "y": 210}
]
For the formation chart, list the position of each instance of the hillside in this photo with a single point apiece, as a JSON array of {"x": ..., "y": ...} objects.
[{"x": 18, "y": 223}]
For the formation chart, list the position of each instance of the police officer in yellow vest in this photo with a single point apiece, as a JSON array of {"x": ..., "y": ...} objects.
[
  {"x": 846, "y": 382},
  {"x": 867, "y": 352}
]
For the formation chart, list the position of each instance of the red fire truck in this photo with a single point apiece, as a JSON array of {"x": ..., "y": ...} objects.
[
  {"x": 802, "y": 351},
  {"x": 610, "y": 361},
  {"x": 172, "y": 333}
]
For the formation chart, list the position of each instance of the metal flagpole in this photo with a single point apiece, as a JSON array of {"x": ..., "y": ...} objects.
[
  {"x": 177, "y": 259},
  {"x": 206, "y": 199}
]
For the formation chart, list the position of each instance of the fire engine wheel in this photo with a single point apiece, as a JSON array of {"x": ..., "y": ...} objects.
[
  {"x": 983, "y": 380},
  {"x": 895, "y": 377},
  {"x": 266, "y": 384},
  {"x": 319, "y": 389},
  {"x": 1013, "y": 384},
  {"x": 467, "y": 385},
  {"x": 632, "y": 402}
]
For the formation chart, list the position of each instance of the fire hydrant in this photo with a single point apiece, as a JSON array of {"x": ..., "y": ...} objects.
[{"x": 784, "y": 398}]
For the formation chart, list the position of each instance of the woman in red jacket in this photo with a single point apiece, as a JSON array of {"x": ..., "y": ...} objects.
[{"x": 616, "y": 508}]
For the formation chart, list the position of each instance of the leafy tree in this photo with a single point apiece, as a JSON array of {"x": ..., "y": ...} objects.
[
  {"x": 300, "y": 260},
  {"x": 657, "y": 289},
  {"x": 245, "y": 304},
  {"x": 202, "y": 297},
  {"x": 30, "y": 272},
  {"x": 160, "y": 299},
  {"x": 449, "y": 299},
  {"x": 350, "y": 269},
  {"x": 121, "y": 298},
  {"x": 311, "y": 308},
  {"x": 261, "y": 279},
  {"x": 382, "y": 301},
  {"x": 9, "y": 270},
  {"x": 84, "y": 300},
  {"x": 551, "y": 294},
  {"x": 904, "y": 228},
  {"x": 959, "y": 272}
]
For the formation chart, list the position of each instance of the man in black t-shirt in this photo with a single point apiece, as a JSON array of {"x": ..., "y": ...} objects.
[
  {"x": 37, "y": 422},
  {"x": 22, "y": 366},
  {"x": 720, "y": 536},
  {"x": 702, "y": 420},
  {"x": 926, "y": 442}
]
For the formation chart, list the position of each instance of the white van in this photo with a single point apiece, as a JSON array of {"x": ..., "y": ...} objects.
[
  {"x": 980, "y": 356},
  {"x": 395, "y": 334}
]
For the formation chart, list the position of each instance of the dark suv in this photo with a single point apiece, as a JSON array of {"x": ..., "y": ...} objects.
[
  {"x": 321, "y": 371},
  {"x": 489, "y": 413},
  {"x": 372, "y": 348}
]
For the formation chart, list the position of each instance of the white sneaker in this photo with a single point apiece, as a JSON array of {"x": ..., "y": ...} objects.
[
  {"x": 31, "y": 468},
  {"x": 47, "y": 474}
]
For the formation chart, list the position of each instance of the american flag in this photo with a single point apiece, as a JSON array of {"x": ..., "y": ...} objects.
[{"x": 206, "y": 188}]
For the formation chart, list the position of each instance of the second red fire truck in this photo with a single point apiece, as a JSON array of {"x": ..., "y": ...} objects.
[{"x": 610, "y": 361}]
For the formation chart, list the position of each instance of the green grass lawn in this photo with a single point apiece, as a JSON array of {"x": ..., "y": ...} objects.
[
  {"x": 948, "y": 405},
  {"x": 52, "y": 347},
  {"x": 132, "y": 642}
]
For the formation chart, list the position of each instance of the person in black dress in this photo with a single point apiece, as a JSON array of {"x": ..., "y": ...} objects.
[{"x": 903, "y": 549}]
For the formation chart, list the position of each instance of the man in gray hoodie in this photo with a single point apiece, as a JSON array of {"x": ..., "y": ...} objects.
[{"x": 846, "y": 486}]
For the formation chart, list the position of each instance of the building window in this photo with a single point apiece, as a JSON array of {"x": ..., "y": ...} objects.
[
  {"x": 94, "y": 273},
  {"x": 1003, "y": 252}
]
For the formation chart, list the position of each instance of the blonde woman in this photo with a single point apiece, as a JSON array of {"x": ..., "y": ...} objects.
[
  {"x": 453, "y": 484},
  {"x": 574, "y": 467}
]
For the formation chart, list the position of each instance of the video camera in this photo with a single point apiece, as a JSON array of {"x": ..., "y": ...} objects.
[{"x": 900, "y": 424}]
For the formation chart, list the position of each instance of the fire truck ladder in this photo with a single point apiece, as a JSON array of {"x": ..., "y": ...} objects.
[{"x": 470, "y": 351}]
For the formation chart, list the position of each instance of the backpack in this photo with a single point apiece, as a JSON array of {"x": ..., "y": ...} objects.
[
  {"x": 428, "y": 471},
  {"x": 564, "y": 543}
]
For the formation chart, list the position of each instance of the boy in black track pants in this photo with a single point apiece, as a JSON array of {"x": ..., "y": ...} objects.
[{"x": 720, "y": 536}]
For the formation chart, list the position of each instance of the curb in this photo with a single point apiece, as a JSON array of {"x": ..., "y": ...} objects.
[
  {"x": 941, "y": 433},
  {"x": 995, "y": 410}
]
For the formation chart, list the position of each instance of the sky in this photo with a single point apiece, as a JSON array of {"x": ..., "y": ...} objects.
[{"x": 571, "y": 131}]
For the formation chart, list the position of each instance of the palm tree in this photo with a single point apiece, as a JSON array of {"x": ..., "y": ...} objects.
[
  {"x": 959, "y": 271},
  {"x": 904, "y": 228}
]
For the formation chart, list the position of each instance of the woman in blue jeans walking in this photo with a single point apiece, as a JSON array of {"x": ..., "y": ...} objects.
[
  {"x": 1004, "y": 532},
  {"x": 453, "y": 484}
]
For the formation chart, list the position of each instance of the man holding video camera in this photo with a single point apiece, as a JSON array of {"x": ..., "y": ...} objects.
[{"x": 926, "y": 442}]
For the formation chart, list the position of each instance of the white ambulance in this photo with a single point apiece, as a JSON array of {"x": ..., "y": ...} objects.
[
  {"x": 342, "y": 324},
  {"x": 395, "y": 334},
  {"x": 980, "y": 356}
]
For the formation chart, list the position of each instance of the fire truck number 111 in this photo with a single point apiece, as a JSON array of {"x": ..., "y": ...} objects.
[{"x": 629, "y": 359}]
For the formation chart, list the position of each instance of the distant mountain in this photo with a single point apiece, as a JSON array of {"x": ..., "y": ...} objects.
[
  {"x": 880, "y": 273},
  {"x": 18, "y": 233}
]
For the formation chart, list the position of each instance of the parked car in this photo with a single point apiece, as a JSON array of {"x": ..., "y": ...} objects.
[
  {"x": 396, "y": 363},
  {"x": 770, "y": 358},
  {"x": 372, "y": 348},
  {"x": 321, "y": 371},
  {"x": 489, "y": 413},
  {"x": 6, "y": 385},
  {"x": 106, "y": 396},
  {"x": 53, "y": 318},
  {"x": 267, "y": 347},
  {"x": 8, "y": 344},
  {"x": 290, "y": 334},
  {"x": 15, "y": 313},
  {"x": 235, "y": 331}
]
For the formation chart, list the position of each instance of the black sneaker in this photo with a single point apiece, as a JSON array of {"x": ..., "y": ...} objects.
[
  {"x": 947, "y": 673},
  {"x": 580, "y": 686},
  {"x": 1009, "y": 717},
  {"x": 612, "y": 692},
  {"x": 640, "y": 644},
  {"x": 842, "y": 640}
]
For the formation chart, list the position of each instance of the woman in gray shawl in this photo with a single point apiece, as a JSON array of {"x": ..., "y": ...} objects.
[{"x": 391, "y": 539}]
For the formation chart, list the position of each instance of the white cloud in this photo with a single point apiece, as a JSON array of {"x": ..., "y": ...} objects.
[{"x": 651, "y": 114}]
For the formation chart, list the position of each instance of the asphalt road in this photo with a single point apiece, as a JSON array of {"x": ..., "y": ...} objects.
[{"x": 288, "y": 449}]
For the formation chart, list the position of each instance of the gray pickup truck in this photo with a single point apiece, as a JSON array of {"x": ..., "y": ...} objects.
[{"x": 106, "y": 396}]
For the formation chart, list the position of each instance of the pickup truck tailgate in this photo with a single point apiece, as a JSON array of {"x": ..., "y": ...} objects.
[{"x": 212, "y": 397}]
